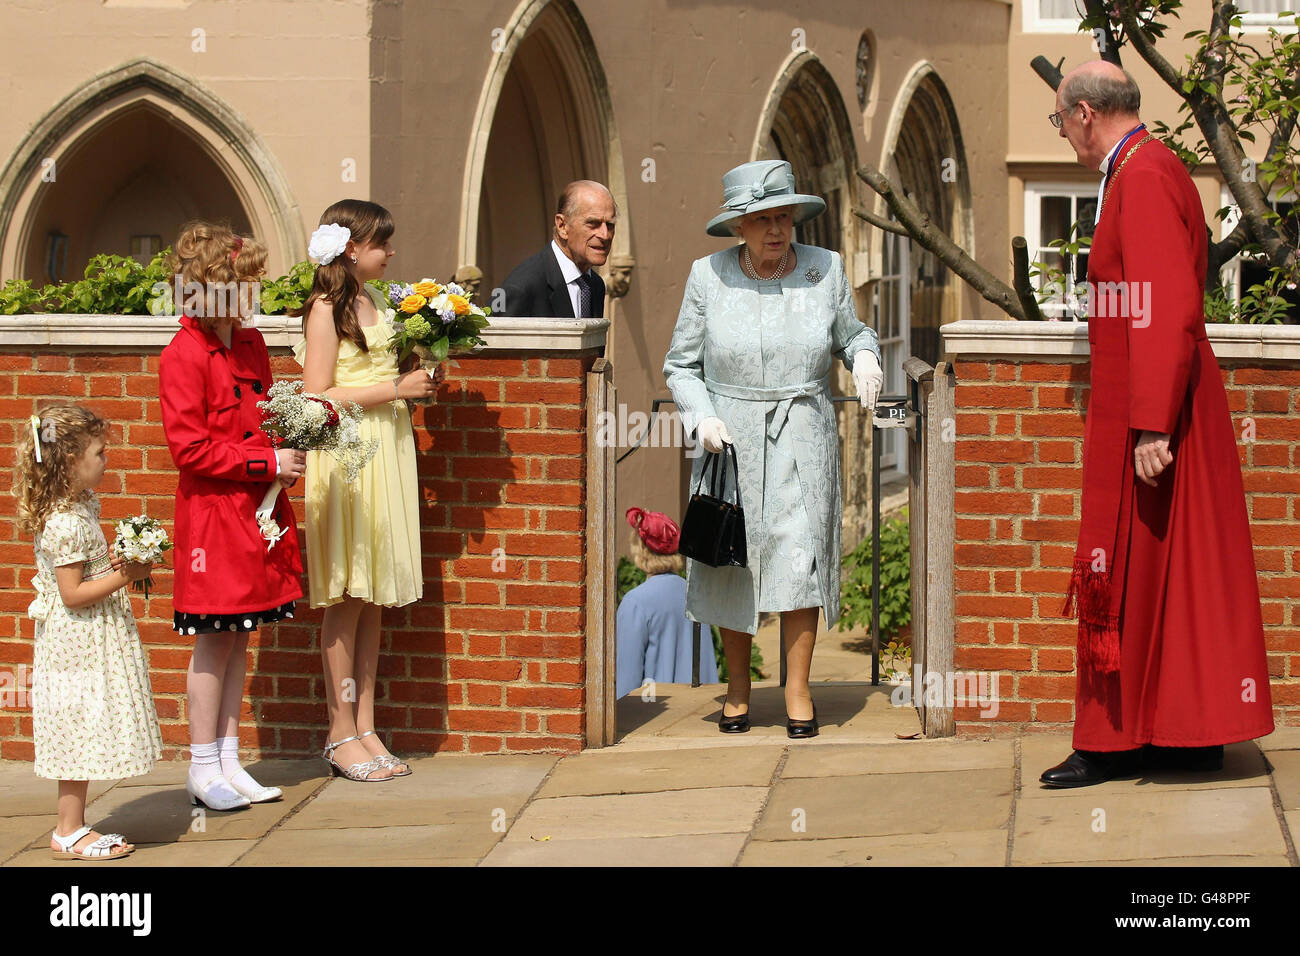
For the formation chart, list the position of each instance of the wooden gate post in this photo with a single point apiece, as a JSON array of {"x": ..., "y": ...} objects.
[
  {"x": 601, "y": 725},
  {"x": 931, "y": 527}
]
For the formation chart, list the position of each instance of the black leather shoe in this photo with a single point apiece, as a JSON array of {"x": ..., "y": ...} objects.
[
  {"x": 801, "y": 728},
  {"x": 733, "y": 725},
  {"x": 1200, "y": 759},
  {"x": 1084, "y": 768}
]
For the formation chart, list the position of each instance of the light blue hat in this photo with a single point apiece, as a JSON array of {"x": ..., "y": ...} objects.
[{"x": 763, "y": 184}]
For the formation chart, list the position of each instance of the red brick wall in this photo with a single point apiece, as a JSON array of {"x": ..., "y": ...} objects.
[
  {"x": 491, "y": 660},
  {"x": 1018, "y": 475}
]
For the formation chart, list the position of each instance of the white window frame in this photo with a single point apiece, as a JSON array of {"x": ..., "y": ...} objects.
[
  {"x": 1250, "y": 22},
  {"x": 1033, "y": 23},
  {"x": 1035, "y": 190},
  {"x": 1261, "y": 22},
  {"x": 1230, "y": 272}
]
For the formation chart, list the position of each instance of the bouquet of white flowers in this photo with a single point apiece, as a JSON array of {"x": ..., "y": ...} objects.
[
  {"x": 298, "y": 419},
  {"x": 141, "y": 540}
]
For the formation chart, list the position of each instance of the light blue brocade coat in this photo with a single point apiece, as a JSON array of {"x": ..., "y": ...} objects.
[{"x": 757, "y": 355}]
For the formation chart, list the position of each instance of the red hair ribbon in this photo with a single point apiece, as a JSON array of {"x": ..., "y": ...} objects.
[{"x": 239, "y": 244}]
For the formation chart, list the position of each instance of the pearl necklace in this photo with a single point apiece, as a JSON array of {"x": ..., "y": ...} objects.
[{"x": 753, "y": 273}]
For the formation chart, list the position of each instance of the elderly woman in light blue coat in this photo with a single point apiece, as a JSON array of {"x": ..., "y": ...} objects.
[{"x": 749, "y": 365}]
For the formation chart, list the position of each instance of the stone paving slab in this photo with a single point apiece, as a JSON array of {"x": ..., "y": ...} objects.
[
  {"x": 975, "y": 848},
  {"x": 849, "y": 711},
  {"x": 888, "y": 803},
  {"x": 1147, "y": 824},
  {"x": 1180, "y": 861},
  {"x": 443, "y": 844},
  {"x": 610, "y": 771},
  {"x": 442, "y": 789},
  {"x": 1282, "y": 738},
  {"x": 669, "y": 813},
  {"x": 1243, "y": 766},
  {"x": 706, "y": 849},
  {"x": 19, "y": 833},
  {"x": 189, "y": 853},
  {"x": 1286, "y": 776},
  {"x": 911, "y": 756},
  {"x": 284, "y": 773},
  {"x": 24, "y": 793},
  {"x": 165, "y": 815}
]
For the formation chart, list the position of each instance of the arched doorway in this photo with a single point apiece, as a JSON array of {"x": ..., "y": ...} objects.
[
  {"x": 924, "y": 154},
  {"x": 914, "y": 293},
  {"x": 117, "y": 166},
  {"x": 544, "y": 119},
  {"x": 806, "y": 124}
]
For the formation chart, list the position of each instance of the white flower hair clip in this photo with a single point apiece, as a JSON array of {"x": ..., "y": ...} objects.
[{"x": 328, "y": 242}]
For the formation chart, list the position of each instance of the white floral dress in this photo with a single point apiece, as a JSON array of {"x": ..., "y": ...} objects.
[{"x": 93, "y": 715}]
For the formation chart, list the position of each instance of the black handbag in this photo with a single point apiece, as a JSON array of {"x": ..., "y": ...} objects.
[{"x": 713, "y": 530}]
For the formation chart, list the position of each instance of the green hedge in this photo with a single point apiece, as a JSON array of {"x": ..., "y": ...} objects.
[{"x": 119, "y": 285}]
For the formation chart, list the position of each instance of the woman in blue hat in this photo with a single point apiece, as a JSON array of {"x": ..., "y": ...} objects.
[{"x": 749, "y": 365}]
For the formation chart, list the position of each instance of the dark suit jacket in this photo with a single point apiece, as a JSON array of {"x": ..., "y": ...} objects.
[{"x": 536, "y": 287}]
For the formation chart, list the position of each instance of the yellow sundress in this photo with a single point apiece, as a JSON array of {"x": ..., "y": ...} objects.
[{"x": 363, "y": 538}]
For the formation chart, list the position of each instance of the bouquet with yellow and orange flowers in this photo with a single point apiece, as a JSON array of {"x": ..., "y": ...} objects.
[{"x": 434, "y": 321}]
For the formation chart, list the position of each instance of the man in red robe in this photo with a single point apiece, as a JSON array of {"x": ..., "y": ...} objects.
[{"x": 1171, "y": 662}]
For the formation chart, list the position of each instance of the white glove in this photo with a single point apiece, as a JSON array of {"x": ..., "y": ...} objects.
[
  {"x": 712, "y": 434},
  {"x": 868, "y": 377}
]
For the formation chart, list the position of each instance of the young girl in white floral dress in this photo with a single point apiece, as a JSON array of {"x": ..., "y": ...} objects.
[{"x": 93, "y": 715}]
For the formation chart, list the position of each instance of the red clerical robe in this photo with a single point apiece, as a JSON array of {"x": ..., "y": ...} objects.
[{"x": 1169, "y": 571}]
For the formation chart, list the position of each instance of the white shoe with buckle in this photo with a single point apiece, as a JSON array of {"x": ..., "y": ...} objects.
[
  {"x": 254, "y": 791},
  {"x": 216, "y": 794}
]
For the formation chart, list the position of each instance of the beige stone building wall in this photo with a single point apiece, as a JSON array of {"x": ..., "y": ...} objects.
[
  {"x": 1036, "y": 154},
  {"x": 288, "y": 106}
]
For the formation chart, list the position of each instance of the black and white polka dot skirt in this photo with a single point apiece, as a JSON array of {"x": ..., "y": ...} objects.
[{"x": 187, "y": 624}]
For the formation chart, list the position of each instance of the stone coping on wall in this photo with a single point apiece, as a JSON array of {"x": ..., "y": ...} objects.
[
  {"x": 113, "y": 332},
  {"x": 969, "y": 338}
]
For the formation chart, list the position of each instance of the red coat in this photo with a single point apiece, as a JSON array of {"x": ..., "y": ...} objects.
[
  {"x": 209, "y": 399},
  {"x": 1192, "y": 669}
]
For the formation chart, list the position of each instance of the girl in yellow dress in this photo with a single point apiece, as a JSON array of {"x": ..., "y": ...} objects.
[{"x": 363, "y": 538}]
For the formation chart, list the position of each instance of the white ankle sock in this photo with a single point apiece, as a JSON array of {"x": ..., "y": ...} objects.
[
  {"x": 230, "y": 766},
  {"x": 204, "y": 763}
]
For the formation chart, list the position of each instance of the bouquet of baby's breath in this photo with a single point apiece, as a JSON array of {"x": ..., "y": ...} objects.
[
  {"x": 295, "y": 418},
  {"x": 141, "y": 540}
]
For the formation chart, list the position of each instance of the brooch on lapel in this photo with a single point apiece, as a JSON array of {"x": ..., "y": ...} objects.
[{"x": 813, "y": 276}]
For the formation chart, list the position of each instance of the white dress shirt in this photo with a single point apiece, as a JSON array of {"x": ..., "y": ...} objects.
[
  {"x": 571, "y": 273},
  {"x": 1101, "y": 189}
]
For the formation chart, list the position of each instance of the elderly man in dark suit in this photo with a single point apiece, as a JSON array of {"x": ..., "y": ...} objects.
[{"x": 561, "y": 281}]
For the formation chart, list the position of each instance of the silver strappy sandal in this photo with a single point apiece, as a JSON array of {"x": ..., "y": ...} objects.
[
  {"x": 390, "y": 761},
  {"x": 360, "y": 772}
]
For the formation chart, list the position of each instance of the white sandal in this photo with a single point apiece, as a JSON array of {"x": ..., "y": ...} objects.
[
  {"x": 391, "y": 761},
  {"x": 100, "y": 850}
]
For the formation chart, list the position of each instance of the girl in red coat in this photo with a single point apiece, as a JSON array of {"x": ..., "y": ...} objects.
[{"x": 227, "y": 581}]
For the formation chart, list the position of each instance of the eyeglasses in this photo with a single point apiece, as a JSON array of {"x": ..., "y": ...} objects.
[{"x": 1057, "y": 119}]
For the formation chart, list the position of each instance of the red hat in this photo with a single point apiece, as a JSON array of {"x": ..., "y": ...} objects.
[{"x": 658, "y": 532}]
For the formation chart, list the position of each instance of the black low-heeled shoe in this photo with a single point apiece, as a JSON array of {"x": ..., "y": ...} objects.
[
  {"x": 801, "y": 728},
  {"x": 733, "y": 725}
]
